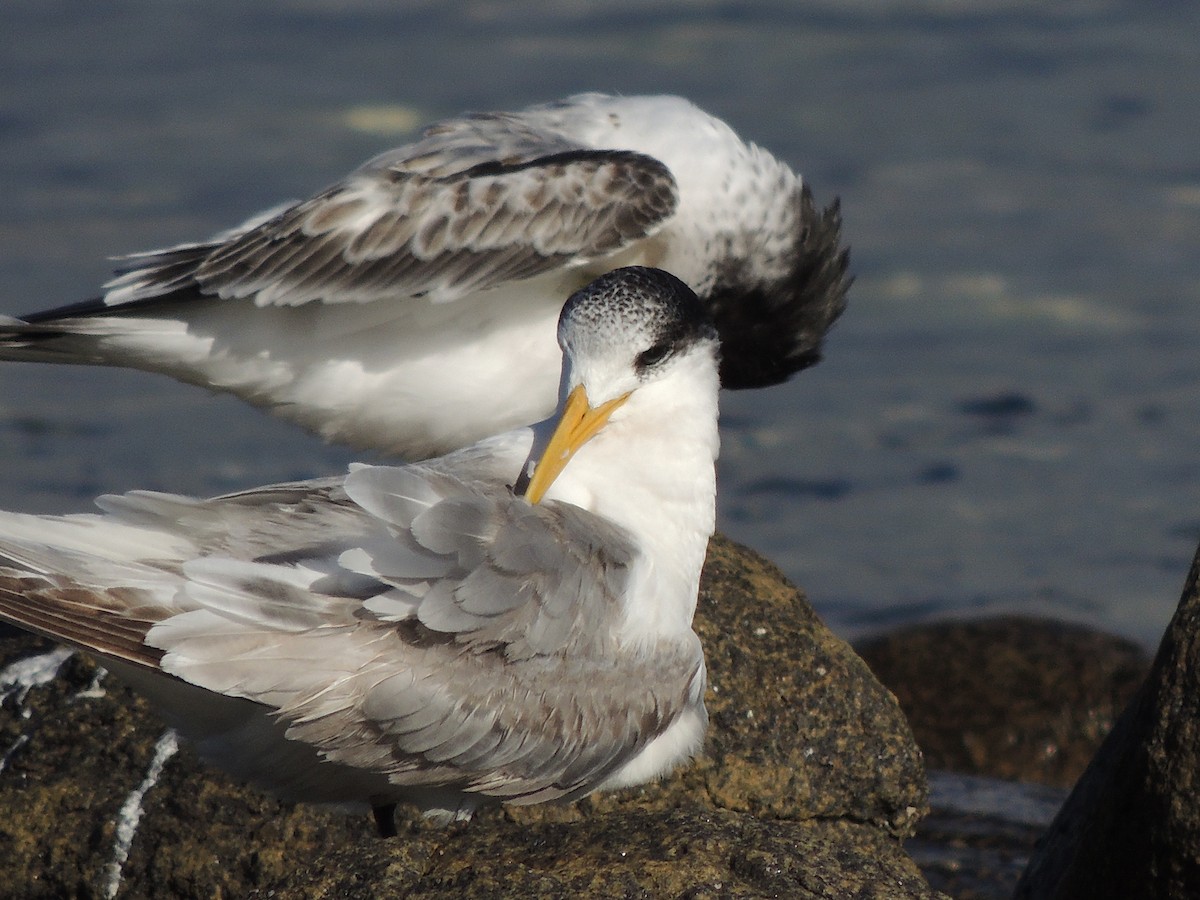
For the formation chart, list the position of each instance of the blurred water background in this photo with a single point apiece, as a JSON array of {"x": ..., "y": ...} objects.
[{"x": 1006, "y": 419}]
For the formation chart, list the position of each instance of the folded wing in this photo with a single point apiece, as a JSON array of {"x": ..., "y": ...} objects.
[{"x": 461, "y": 639}]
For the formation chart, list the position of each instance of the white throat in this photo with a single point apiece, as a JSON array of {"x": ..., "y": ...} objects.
[{"x": 650, "y": 470}]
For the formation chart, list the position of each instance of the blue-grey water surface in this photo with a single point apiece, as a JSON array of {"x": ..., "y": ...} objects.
[{"x": 1006, "y": 418}]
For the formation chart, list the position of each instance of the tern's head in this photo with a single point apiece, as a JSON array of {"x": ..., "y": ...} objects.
[{"x": 628, "y": 329}]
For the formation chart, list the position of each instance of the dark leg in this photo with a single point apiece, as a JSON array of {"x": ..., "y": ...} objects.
[{"x": 385, "y": 819}]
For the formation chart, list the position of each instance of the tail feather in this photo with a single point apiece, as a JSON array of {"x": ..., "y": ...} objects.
[
  {"x": 52, "y": 338},
  {"x": 111, "y": 623}
]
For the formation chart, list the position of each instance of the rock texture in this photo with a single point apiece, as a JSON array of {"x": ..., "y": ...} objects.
[
  {"x": 809, "y": 781},
  {"x": 1010, "y": 697},
  {"x": 1131, "y": 827},
  {"x": 690, "y": 851}
]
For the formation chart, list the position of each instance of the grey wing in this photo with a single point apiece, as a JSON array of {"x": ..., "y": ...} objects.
[
  {"x": 529, "y": 580},
  {"x": 296, "y": 520},
  {"x": 484, "y": 660},
  {"x": 478, "y": 201},
  {"x": 100, "y": 582}
]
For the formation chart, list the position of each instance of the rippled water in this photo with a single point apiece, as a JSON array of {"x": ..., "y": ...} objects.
[{"x": 1006, "y": 418}]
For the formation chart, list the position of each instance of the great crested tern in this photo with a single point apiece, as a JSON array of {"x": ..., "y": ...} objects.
[
  {"x": 510, "y": 622},
  {"x": 411, "y": 307}
]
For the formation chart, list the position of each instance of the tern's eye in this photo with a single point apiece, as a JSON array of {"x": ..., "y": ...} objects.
[{"x": 653, "y": 356}]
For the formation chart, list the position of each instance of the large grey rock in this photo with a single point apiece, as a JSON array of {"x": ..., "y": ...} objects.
[
  {"x": 1131, "y": 827},
  {"x": 809, "y": 780}
]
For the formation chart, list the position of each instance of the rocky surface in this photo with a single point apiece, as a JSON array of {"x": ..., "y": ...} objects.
[
  {"x": 809, "y": 780},
  {"x": 1010, "y": 697},
  {"x": 1018, "y": 698},
  {"x": 692, "y": 850},
  {"x": 1131, "y": 827}
]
